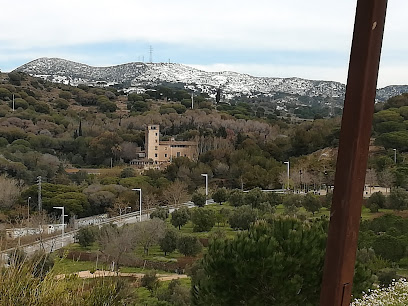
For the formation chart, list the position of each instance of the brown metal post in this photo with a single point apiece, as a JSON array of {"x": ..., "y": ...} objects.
[{"x": 353, "y": 153}]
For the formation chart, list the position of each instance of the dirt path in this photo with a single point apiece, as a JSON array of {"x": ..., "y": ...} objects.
[{"x": 102, "y": 273}]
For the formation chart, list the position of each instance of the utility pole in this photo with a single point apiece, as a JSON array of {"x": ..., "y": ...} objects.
[
  {"x": 39, "y": 194},
  {"x": 192, "y": 100},
  {"x": 13, "y": 103},
  {"x": 352, "y": 158}
]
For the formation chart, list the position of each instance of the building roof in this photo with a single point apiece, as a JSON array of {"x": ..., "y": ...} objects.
[{"x": 178, "y": 142}]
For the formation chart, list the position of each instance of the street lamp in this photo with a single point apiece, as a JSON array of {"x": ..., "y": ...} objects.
[
  {"x": 395, "y": 156},
  {"x": 28, "y": 209},
  {"x": 287, "y": 162},
  {"x": 206, "y": 186},
  {"x": 62, "y": 221},
  {"x": 140, "y": 202}
]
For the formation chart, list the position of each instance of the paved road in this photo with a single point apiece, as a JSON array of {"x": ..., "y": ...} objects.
[
  {"x": 54, "y": 243},
  {"x": 57, "y": 242}
]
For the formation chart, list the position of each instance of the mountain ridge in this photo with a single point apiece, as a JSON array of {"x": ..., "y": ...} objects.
[{"x": 233, "y": 85}]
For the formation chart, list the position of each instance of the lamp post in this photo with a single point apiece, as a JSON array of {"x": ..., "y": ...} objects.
[
  {"x": 63, "y": 222},
  {"x": 28, "y": 209},
  {"x": 206, "y": 186},
  {"x": 287, "y": 162},
  {"x": 395, "y": 156},
  {"x": 140, "y": 202}
]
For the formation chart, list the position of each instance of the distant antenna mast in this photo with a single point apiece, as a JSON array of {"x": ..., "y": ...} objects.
[
  {"x": 192, "y": 100},
  {"x": 151, "y": 54}
]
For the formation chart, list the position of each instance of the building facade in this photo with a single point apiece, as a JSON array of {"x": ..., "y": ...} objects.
[{"x": 160, "y": 153}]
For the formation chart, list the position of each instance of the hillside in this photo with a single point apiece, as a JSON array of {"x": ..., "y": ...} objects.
[{"x": 152, "y": 74}]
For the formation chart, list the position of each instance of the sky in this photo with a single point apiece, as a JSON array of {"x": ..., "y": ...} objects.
[{"x": 292, "y": 38}]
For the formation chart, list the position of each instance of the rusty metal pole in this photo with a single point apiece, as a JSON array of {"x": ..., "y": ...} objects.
[{"x": 353, "y": 153}]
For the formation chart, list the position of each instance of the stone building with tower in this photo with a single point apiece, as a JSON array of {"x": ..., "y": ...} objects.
[{"x": 159, "y": 154}]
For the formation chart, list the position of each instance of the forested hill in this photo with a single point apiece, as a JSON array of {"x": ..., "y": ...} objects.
[{"x": 55, "y": 125}]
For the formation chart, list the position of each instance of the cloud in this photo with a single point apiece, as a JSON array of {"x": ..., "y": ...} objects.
[
  {"x": 262, "y": 33},
  {"x": 291, "y": 24}
]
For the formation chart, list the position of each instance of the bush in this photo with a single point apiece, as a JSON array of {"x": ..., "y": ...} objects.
[
  {"x": 127, "y": 172},
  {"x": 161, "y": 213},
  {"x": 175, "y": 294},
  {"x": 150, "y": 281},
  {"x": 389, "y": 247},
  {"x": 375, "y": 201},
  {"x": 398, "y": 199},
  {"x": 42, "y": 263}
]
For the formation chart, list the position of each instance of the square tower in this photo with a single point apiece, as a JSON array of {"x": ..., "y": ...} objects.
[{"x": 152, "y": 142}]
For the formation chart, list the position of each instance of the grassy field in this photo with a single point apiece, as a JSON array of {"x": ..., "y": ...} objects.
[{"x": 155, "y": 254}]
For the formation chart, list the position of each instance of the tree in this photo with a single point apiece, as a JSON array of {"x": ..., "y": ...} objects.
[
  {"x": 189, "y": 245},
  {"x": 10, "y": 190},
  {"x": 371, "y": 178},
  {"x": 272, "y": 198},
  {"x": 242, "y": 217},
  {"x": 270, "y": 264},
  {"x": 150, "y": 232},
  {"x": 387, "y": 178},
  {"x": 86, "y": 235},
  {"x": 254, "y": 197},
  {"x": 169, "y": 241},
  {"x": 220, "y": 195},
  {"x": 236, "y": 198},
  {"x": 203, "y": 219},
  {"x": 180, "y": 217},
  {"x": 199, "y": 199},
  {"x": 311, "y": 203},
  {"x": 101, "y": 201},
  {"x": 176, "y": 193},
  {"x": 291, "y": 204},
  {"x": 114, "y": 242}
]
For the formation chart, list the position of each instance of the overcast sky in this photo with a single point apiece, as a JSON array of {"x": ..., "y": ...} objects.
[{"x": 309, "y": 39}]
